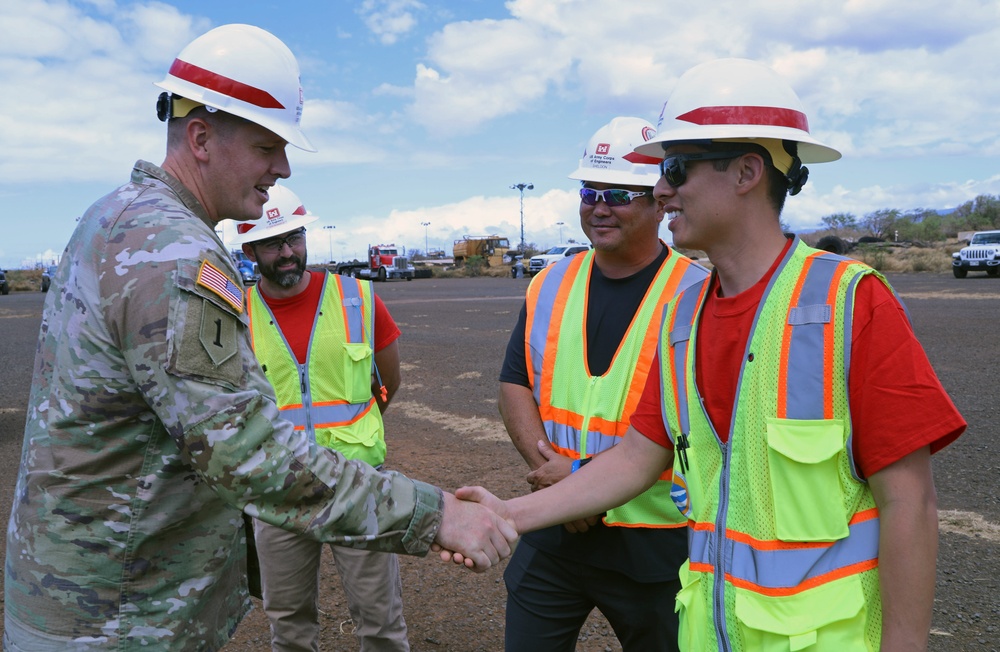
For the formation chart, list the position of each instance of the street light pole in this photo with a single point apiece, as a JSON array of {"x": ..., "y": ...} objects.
[
  {"x": 522, "y": 187},
  {"x": 560, "y": 225},
  {"x": 330, "y": 229},
  {"x": 427, "y": 252}
]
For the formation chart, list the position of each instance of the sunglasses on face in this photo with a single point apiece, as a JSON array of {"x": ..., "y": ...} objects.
[
  {"x": 612, "y": 196},
  {"x": 674, "y": 169},
  {"x": 274, "y": 245}
]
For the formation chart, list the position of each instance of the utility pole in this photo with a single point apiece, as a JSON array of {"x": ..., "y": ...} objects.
[
  {"x": 427, "y": 251},
  {"x": 522, "y": 187}
]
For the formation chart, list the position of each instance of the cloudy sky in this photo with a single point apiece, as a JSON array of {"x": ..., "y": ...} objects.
[{"x": 429, "y": 110}]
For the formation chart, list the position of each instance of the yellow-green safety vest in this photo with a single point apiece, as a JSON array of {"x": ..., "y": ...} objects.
[
  {"x": 783, "y": 538},
  {"x": 330, "y": 396},
  {"x": 584, "y": 415}
]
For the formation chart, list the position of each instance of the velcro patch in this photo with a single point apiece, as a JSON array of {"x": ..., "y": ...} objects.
[
  {"x": 211, "y": 277},
  {"x": 218, "y": 333}
]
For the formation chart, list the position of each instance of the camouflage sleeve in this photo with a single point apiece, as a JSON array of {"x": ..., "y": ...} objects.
[{"x": 187, "y": 345}]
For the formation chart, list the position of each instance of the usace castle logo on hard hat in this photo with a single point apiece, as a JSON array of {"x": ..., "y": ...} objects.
[
  {"x": 273, "y": 213},
  {"x": 603, "y": 148}
]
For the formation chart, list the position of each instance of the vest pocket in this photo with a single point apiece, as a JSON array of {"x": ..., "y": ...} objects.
[
  {"x": 829, "y": 617},
  {"x": 691, "y": 605},
  {"x": 806, "y": 493},
  {"x": 357, "y": 372}
]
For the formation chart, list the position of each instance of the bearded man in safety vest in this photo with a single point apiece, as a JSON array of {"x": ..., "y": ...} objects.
[
  {"x": 800, "y": 405},
  {"x": 328, "y": 346},
  {"x": 575, "y": 365}
]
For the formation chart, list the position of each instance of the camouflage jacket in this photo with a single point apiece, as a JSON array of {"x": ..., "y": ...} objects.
[{"x": 150, "y": 427}]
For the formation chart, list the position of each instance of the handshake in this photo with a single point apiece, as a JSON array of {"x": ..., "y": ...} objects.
[{"x": 477, "y": 529}]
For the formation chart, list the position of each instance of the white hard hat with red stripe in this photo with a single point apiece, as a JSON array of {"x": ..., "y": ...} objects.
[
  {"x": 246, "y": 71},
  {"x": 610, "y": 156},
  {"x": 734, "y": 100},
  {"x": 282, "y": 214}
]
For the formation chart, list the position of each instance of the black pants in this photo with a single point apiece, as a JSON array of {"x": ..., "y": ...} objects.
[{"x": 549, "y": 600}]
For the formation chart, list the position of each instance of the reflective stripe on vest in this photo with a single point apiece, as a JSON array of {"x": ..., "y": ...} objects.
[
  {"x": 315, "y": 396},
  {"x": 809, "y": 376},
  {"x": 584, "y": 415}
]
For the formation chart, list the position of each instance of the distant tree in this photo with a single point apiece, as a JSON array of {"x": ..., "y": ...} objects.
[
  {"x": 920, "y": 224},
  {"x": 987, "y": 209},
  {"x": 979, "y": 214},
  {"x": 840, "y": 221},
  {"x": 881, "y": 223}
]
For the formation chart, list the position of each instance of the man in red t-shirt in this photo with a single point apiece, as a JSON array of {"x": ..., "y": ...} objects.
[
  {"x": 734, "y": 137},
  {"x": 304, "y": 355}
]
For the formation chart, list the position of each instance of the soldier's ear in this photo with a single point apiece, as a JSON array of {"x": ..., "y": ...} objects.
[{"x": 197, "y": 133}]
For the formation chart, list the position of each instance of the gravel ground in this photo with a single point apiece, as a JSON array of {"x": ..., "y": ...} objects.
[{"x": 443, "y": 427}]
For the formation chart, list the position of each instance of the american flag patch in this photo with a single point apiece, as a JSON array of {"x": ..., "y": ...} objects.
[{"x": 214, "y": 279}]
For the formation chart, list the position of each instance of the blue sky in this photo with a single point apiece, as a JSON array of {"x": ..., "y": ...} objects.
[{"x": 428, "y": 111}]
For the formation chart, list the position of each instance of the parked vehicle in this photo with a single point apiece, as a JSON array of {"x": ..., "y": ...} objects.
[
  {"x": 982, "y": 255},
  {"x": 385, "y": 261},
  {"x": 47, "y": 276},
  {"x": 248, "y": 269},
  {"x": 4, "y": 286},
  {"x": 556, "y": 253},
  {"x": 492, "y": 248}
]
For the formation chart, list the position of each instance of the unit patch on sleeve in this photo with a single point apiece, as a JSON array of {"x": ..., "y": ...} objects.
[{"x": 214, "y": 279}]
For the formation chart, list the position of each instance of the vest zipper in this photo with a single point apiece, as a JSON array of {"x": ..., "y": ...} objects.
[
  {"x": 306, "y": 399},
  {"x": 585, "y": 430}
]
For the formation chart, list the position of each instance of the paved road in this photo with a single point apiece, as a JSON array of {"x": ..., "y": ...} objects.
[{"x": 444, "y": 428}]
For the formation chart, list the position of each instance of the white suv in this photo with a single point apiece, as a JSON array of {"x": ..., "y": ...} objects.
[
  {"x": 556, "y": 253},
  {"x": 982, "y": 255}
]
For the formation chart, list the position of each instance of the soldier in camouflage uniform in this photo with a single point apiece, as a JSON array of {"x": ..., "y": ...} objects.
[{"x": 150, "y": 426}]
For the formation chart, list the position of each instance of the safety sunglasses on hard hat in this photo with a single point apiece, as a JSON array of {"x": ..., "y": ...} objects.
[
  {"x": 274, "y": 245},
  {"x": 674, "y": 170},
  {"x": 612, "y": 196}
]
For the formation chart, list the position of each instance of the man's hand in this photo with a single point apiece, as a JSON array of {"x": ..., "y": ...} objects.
[
  {"x": 555, "y": 468},
  {"x": 472, "y": 534}
]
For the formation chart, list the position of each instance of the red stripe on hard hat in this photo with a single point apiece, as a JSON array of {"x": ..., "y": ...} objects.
[
  {"x": 636, "y": 158},
  {"x": 301, "y": 210},
  {"x": 747, "y": 115},
  {"x": 243, "y": 227},
  {"x": 220, "y": 84}
]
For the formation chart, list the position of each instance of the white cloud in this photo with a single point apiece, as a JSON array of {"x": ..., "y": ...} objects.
[
  {"x": 492, "y": 68},
  {"x": 389, "y": 19}
]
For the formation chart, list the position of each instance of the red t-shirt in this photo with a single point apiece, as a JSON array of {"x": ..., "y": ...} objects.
[
  {"x": 897, "y": 402},
  {"x": 295, "y": 317}
]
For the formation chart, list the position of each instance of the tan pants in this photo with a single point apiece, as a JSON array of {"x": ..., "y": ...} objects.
[{"x": 289, "y": 568}]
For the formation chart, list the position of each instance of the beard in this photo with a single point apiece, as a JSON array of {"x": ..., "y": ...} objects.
[{"x": 285, "y": 279}]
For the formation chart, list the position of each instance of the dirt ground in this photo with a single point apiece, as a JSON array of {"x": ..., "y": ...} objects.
[{"x": 443, "y": 427}]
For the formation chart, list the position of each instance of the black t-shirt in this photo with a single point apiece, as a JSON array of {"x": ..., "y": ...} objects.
[{"x": 643, "y": 554}]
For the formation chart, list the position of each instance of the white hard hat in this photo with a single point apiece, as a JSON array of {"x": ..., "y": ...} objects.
[
  {"x": 736, "y": 100},
  {"x": 282, "y": 214},
  {"x": 610, "y": 156},
  {"x": 245, "y": 71}
]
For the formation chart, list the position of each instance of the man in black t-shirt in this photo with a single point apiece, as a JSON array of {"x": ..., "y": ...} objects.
[{"x": 575, "y": 364}]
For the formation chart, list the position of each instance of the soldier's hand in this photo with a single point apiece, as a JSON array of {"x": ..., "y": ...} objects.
[
  {"x": 556, "y": 467},
  {"x": 472, "y": 533}
]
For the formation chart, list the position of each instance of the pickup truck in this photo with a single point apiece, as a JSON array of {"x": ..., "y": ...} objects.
[{"x": 558, "y": 252}]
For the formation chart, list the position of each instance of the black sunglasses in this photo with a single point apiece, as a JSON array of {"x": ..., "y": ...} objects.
[{"x": 674, "y": 170}]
